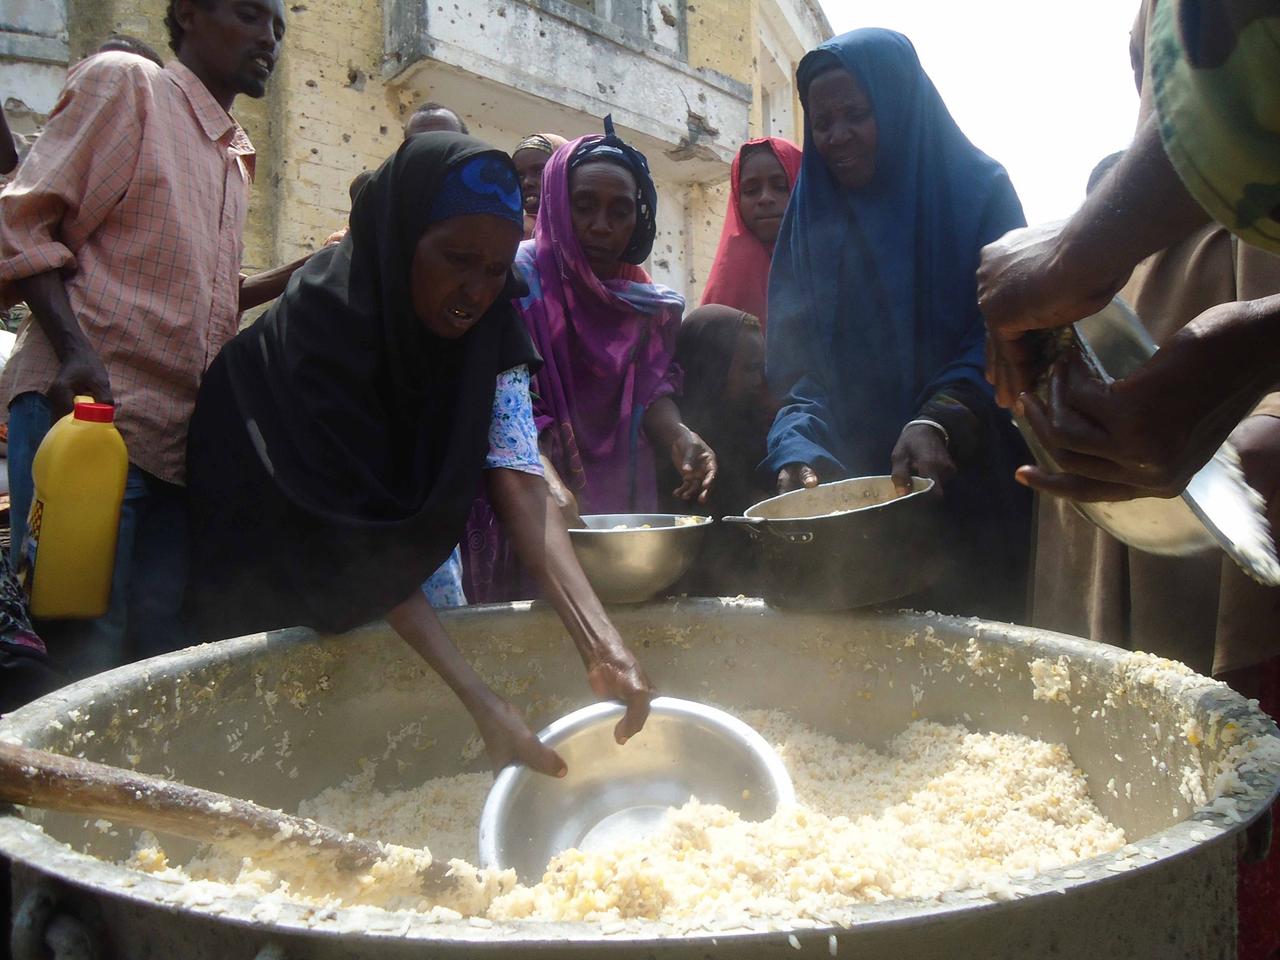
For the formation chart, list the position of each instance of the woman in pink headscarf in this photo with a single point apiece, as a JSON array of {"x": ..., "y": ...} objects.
[
  {"x": 763, "y": 175},
  {"x": 606, "y": 332},
  {"x": 604, "y": 399}
]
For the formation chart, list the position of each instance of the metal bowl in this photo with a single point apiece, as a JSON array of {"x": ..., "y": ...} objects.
[
  {"x": 632, "y": 557},
  {"x": 614, "y": 794},
  {"x": 1217, "y": 509}
]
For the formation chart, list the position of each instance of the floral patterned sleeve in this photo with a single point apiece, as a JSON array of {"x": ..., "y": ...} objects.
[
  {"x": 513, "y": 445},
  {"x": 513, "y": 437}
]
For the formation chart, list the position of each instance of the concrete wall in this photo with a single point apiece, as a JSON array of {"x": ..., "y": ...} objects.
[
  {"x": 675, "y": 77},
  {"x": 33, "y": 53},
  {"x": 334, "y": 117}
]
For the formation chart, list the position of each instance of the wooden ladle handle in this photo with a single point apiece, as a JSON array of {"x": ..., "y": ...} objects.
[{"x": 37, "y": 778}]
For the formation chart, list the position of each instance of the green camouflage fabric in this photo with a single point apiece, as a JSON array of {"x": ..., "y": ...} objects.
[{"x": 1215, "y": 66}]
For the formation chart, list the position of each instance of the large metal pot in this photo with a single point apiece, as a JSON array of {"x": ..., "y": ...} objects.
[
  {"x": 276, "y": 718},
  {"x": 847, "y": 544}
]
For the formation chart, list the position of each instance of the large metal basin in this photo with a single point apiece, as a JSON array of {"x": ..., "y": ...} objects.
[{"x": 277, "y": 718}]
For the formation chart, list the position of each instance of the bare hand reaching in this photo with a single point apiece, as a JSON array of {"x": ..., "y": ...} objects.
[
  {"x": 1028, "y": 280},
  {"x": 617, "y": 675},
  {"x": 697, "y": 465},
  {"x": 921, "y": 451},
  {"x": 794, "y": 476},
  {"x": 508, "y": 739}
]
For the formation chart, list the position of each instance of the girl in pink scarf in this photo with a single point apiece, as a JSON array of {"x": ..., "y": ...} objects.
[{"x": 763, "y": 175}]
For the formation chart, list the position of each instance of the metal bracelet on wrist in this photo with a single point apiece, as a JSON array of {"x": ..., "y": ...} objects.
[{"x": 946, "y": 437}]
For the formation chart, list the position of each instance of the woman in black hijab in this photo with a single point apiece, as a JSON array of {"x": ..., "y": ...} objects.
[{"x": 338, "y": 442}]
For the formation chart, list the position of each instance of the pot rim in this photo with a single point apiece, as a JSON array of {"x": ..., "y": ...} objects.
[
  {"x": 668, "y": 525},
  {"x": 927, "y": 486}
]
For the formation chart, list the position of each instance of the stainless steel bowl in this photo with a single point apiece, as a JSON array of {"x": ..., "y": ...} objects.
[
  {"x": 632, "y": 557},
  {"x": 613, "y": 794},
  {"x": 1217, "y": 509}
]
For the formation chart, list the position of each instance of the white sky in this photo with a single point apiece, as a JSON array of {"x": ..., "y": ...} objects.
[{"x": 1044, "y": 88}]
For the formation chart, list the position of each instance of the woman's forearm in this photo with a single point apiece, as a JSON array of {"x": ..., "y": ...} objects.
[
  {"x": 662, "y": 423},
  {"x": 534, "y": 521},
  {"x": 1140, "y": 207},
  {"x": 417, "y": 624},
  {"x": 506, "y": 737}
]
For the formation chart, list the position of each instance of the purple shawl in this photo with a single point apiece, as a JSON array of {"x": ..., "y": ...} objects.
[{"x": 608, "y": 348}]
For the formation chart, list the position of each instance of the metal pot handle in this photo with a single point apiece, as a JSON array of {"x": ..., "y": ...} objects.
[{"x": 752, "y": 525}]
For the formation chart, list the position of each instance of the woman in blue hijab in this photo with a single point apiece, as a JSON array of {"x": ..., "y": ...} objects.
[{"x": 875, "y": 339}]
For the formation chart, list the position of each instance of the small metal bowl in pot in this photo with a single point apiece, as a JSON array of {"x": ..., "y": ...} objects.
[
  {"x": 613, "y": 794},
  {"x": 632, "y": 557}
]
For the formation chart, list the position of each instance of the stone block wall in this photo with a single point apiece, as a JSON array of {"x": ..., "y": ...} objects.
[
  {"x": 719, "y": 34},
  {"x": 335, "y": 118},
  {"x": 707, "y": 207}
]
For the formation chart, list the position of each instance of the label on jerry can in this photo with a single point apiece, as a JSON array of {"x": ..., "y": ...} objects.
[{"x": 30, "y": 544}]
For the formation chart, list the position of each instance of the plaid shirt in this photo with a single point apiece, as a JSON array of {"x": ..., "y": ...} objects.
[{"x": 137, "y": 191}]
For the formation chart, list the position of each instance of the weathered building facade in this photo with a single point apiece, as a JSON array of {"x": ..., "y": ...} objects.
[{"x": 686, "y": 80}]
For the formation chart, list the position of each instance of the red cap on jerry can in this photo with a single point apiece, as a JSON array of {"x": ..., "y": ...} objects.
[{"x": 95, "y": 412}]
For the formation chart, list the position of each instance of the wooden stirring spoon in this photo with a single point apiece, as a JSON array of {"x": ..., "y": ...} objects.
[{"x": 37, "y": 778}]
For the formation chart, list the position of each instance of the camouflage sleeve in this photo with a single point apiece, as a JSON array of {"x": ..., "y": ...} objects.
[{"x": 1216, "y": 79}]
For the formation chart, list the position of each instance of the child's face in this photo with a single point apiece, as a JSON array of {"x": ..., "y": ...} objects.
[{"x": 746, "y": 369}]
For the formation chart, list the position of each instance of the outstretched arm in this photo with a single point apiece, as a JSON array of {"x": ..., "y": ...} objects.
[
  {"x": 506, "y": 736},
  {"x": 1043, "y": 277},
  {"x": 535, "y": 524},
  {"x": 689, "y": 452},
  {"x": 266, "y": 286}
]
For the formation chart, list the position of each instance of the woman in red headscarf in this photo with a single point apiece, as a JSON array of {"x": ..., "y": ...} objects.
[{"x": 763, "y": 175}]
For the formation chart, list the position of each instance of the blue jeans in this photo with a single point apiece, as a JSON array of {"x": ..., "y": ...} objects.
[{"x": 151, "y": 560}]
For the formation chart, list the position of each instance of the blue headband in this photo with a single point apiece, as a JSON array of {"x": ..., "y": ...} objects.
[{"x": 484, "y": 184}]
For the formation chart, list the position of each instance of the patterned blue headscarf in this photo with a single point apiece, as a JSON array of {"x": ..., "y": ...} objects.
[
  {"x": 485, "y": 184},
  {"x": 872, "y": 293}
]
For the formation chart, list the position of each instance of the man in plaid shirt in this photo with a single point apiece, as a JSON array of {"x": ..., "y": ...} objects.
[{"x": 123, "y": 233}]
